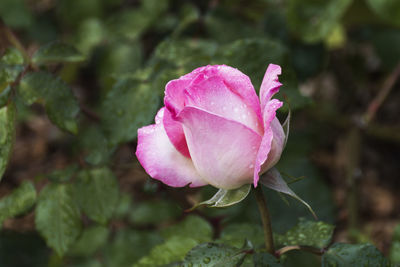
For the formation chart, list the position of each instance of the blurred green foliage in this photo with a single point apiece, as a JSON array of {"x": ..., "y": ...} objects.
[
  {"x": 353, "y": 255},
  {"x": 98, "y": 69},
  {"x": 7, "y": 120},
  {"x": 18, "y": 202},
  {"x": 307, "y": 233}
]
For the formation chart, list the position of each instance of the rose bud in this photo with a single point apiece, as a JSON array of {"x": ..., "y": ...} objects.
[{"x": 214, "y": 130}]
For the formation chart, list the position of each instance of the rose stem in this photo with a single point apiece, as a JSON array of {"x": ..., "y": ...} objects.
[{"x": 262, "y": 206}]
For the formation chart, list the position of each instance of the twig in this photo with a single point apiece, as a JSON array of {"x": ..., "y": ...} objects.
[
  {"x": 387, "y": 86},
  {"x": 313, "y": 250},
  {"x": 90, "y": 113}
]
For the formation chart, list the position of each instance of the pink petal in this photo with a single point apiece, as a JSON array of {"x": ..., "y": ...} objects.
[
  {"x": 161, "y": 160},
  {"x": 223, "y": 151},
  {"x": 269, "y": 115},
  {"x": 175, "y": 133},
  {"x": 277, "y": 145},
  {"x": 174, "y": 99},
  {"x": 270, "y": 84},
  {"x": 210, "y": 92},
  {"x": 241, "y": 85}
]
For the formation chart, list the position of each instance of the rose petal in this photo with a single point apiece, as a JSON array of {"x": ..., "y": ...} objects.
[
  {"x": 277, "y": 145},
  {"x": 175, "y": 133},
  {"x": 174, "y": 99},
  {"x": 161, "y": 160},
  {"x": 270, "y": 84},
  {"x": 222, "y": 150},
  {"x": 241, "y": 85},
  {"x": 209, "y": 92},
  {"x": 269, "y": 114}
]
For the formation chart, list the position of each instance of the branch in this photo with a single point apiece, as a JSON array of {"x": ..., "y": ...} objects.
[
  {"x": 317, "y": 251},
  {"x": 387, "y": 86}
]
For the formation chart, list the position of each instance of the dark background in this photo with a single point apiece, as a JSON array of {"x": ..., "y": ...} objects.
[{"x": 340, "y": 62}]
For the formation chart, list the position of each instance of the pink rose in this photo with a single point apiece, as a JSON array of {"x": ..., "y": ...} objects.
[{"x": 214, "y": 130}]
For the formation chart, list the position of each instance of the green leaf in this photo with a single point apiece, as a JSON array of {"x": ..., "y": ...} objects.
[
  {"x": 189, "y": 15},
  {"x": 273, "y": 179},
  {"x": 236, "y": 234},
  {"x": 95, "y": 145},
  {"x": 131, "y": 23},
  {"x": 193, "y": 226},
  {"x": 7, "y": 129},
  {"x": 394, "y": 254},
  {"x": 63, "y": 175},
  {"x": 9, "y": 73},
  {"x": 57, "y": 217},
  {"x": 89, "y": 34},
  {"x": 172, "y": 250},
  {"x": 213, "y": 255},
  {"x": 126, "y": 107},
  {"x": 91, "y": 240},
  {"x": 154, "y": 212},
  {"x": 227, "y": 28},
  {"x": 124, "y": 205},
  {"x": 312, "y": 20},
  {"x": 225, "y": 198},
  {"x": 18, "y": 202},
  {"x": 97, "y": 193},
  {"x": 265, "y": 259},
  {"x": 129, "y": 246},
  {"x": 5, "y": 95},
  {"x": 357, "y": 255},
  {"x": 128, "y": 24},
  {"x": 61, "y": 105},
  {"x": 57, "y": 52},
  {"x": 11, "y": 65},
  {"x": 12, "y": 56},
  {"x": 119, "y": 60},
  {"x": 307, "y": 233},
  {"x": 186, "y": 54},
  {"x": 388, "y": 10}
]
